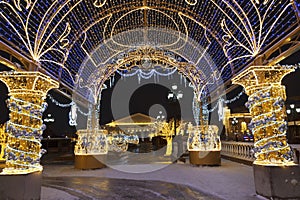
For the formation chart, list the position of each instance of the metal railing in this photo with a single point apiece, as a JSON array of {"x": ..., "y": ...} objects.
[
  {"x": 243, "y": 151},
  {"x": 238, "y": 150}
]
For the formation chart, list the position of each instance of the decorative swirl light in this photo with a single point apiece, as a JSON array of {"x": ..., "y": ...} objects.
[
  {"x": 25, "y": 130},
  {"x": 27, "y": 91},
  {"x": 267, "y": 105}
]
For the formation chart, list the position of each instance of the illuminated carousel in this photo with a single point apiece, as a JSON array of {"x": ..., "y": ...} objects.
[{"x": 76, "y": 46}]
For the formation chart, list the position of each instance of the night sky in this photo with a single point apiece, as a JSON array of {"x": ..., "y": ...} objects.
[{"x": 147, "y": 97}]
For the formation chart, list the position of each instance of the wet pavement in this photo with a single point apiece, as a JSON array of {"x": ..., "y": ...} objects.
[{"x": 116, "y": 189}]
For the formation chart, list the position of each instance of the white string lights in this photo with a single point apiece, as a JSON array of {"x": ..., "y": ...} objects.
[
  {"x": 203, "y": 138},
  {"x": 63, "y": 34},
  {"x": 27, "y": 91}
]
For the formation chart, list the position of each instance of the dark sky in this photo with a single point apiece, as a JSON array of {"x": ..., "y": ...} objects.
[{"x": 147, "y": 97}]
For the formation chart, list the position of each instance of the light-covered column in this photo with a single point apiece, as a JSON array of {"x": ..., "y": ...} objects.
[
  {"x": 27, "y": 91},
  {"x": 3, "y": 139},
  {"x": 266, "y": 105}
]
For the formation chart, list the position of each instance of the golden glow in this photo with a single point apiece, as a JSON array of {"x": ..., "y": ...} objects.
[
  {"x": 3, "y": 141},
  {"x": 203, "y": 138},
  {"x": 266, "y": 105},
  {"x": 27, "y": 91},
  {"x": 91, "y": 142}
]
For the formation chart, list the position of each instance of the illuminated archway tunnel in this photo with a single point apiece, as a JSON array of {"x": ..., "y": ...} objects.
[
  {"x": 59, "y": 35},
  {"x": 82, "y": 43}
]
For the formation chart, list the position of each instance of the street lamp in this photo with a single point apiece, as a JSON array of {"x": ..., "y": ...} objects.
[
  {"x": 173, "y": 96},
  {"x": 49, "y": 118},
  {"x": 293, "y": 112},
  {"x": 234, "y": 123}
]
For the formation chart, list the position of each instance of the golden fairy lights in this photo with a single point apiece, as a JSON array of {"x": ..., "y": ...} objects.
[
  {"x": 48, "y": 33},
  {"x": 27, "y": 91},
  {"x": 91, "y": 142},
  {"x": 3, "y": 138},
  {"x": 203, "y": 138},
  {"x": 266, "y": 105}
]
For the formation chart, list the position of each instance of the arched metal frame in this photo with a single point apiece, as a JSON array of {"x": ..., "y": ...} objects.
[{"x": 58, "y": 35}]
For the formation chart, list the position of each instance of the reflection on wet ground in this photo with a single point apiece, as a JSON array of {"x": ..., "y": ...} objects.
[{"x": 106, "y": 188}]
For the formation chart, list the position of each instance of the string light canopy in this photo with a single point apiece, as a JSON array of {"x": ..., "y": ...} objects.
[{"x": 61, "y": 35}]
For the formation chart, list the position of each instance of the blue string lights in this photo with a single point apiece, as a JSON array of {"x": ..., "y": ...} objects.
[{"x": 61, "y": 35}]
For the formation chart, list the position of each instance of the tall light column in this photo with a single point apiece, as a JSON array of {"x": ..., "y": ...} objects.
[
  {"x": 27, "y": 91},
  {"x": 266, "y": 104}
]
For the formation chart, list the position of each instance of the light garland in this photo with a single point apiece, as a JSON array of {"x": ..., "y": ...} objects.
[
  {"x": 266, "y": 105},
  {"x": 67, "y": 105},
  {"x": 53, "y": 33},
  {"x": 219, "y": 105},
  {"x": 147, "y": 74},
  {"x": 27, "y": 91},
  {"x": 270, "y": 121}
]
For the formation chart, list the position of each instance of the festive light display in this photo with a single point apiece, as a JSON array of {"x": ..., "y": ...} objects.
[
  {"x": 91, "y": 142},
  {"x": 100, "y": 142},
  {"x": 203, "y": 138},
  {"x": 118, "y": 142},
  {"x": 266, "y": 105},
  {"x": 63, "y": 34},
  {"x": 27, "y": 91},
  {"x": 3, "y": 141}
]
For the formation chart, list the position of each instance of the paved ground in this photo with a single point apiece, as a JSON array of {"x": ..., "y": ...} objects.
[
  {"x": 232, "y": 181},
  {"x": 107, "y": 188}
]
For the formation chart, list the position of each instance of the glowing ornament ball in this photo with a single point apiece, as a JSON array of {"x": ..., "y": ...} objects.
[
  {"x": 266, "y": 105},
  {"x": 27, "y": 91}
]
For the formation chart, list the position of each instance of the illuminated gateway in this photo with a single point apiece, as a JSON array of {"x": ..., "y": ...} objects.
[{"x": 75, "y": 46}]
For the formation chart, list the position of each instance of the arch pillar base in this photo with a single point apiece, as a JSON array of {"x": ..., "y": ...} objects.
[
  {"x": 277, "y": 182},
  {"x": 12, "y": 186}
]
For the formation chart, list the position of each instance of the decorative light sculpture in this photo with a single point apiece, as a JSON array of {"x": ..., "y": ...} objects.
[
  {"x": 203, "y": 138},
  {"x": 27, "y": 91},
  {"x": 91, "y": 142},
  {"x": 266, "y": 105},
  {"x": 118, "y": 142}
]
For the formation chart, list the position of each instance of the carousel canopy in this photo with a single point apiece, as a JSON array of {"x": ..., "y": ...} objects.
[{"x": 78, "y": 41}]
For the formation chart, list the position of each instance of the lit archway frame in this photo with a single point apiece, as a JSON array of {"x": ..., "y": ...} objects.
[
  {"x": 135, "y": 59},
  {"x": 143, "y": 58}
]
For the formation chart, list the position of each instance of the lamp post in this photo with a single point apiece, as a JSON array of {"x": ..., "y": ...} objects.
[
  {"x": 234, "y": 123},
  {"x": 293, "y": 112},
  {"x": 173, "y": 96}
]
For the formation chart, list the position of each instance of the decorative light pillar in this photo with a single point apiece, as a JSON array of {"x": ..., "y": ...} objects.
[
  {"x": 3, "y": 142},
  {"x": 266, "y": 105},
  {"x": 27, "y": 91}
]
